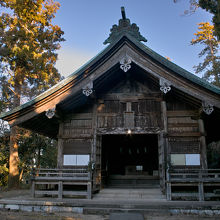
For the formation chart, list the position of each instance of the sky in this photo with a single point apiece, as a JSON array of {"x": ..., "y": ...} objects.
[{"x": 87, "y": 23}]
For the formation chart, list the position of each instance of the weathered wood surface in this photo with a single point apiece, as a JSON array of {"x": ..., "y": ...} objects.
[
  {"x": 162, "y": 147},
  {"x": 183, "y": 133},
  {"x": 143, "y": 61},
  {"x": 199, "y": 178},
  {"x": 203, "y": 144},
  {"x": 139, "y": 115},
  {"x": 60, "y": 177},
  {"x": 77, "y": 146}
]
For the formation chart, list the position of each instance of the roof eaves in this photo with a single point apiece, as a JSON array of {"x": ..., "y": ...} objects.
[
  {"x": 59, "y": 85},
  {"x": 177, "y": 69}
]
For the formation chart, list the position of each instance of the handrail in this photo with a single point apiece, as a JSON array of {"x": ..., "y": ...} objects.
[
  {"x": 192, "y": 177},
  {"x": 193, "y": 170},
  {"x": 58, "y": 171},
  {"x": 60, "y": 177},
  {"x": 194, "y": 174}
]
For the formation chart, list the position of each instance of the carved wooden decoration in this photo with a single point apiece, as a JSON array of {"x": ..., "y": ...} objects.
[
  {"x": 207, "y": 108},
  {"x": 125, "y": 64},
  {"x": 165, "y": 85},
  {"x": 88, "y": 89},
  {"x": 50, "y": 112}
]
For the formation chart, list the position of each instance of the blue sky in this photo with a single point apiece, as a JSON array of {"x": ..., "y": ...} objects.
[{"x": 87, "y": 23}]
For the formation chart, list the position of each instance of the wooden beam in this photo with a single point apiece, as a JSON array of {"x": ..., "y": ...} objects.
[
  {"x": 185, "y": 134},
  {"x": 181, "y": 113},
  {"x": 203, "y": 145}
]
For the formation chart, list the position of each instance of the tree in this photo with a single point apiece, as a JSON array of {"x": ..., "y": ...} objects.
[
  {"x": 28, "y": 44},
  {"x": 41, "y": 152},
  {"x": 4, "y": 155},
  {"x": 211, "y": 63},
  {"x": 212, "y": 6}
]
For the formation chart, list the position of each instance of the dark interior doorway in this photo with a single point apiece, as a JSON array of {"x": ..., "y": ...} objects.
[{"x": 127, "y": 155}]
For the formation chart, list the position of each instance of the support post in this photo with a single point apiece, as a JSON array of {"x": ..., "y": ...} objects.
[
  {"x": 60, "y": 148},
  {"x": 163, "y": 143},
  {"x": 60, "y": 153},
  {"x": 94, "y": 143},
  {"x": 203, "y": 144},
  {"x": 33, "y": 189},
  {"x": 169, "y": 190},
  {"x": 89, "y": 190},
  {"x": 60, "y": 190},
  {"x": 201, "y": 191},
  {"x": 201, "y": 187}
]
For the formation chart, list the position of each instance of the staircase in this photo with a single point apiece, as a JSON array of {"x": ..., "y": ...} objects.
[
  {"x": 133, "y": 182},
  {"x": 113, "y": 194},
  {"x": 131, "y": 188}
]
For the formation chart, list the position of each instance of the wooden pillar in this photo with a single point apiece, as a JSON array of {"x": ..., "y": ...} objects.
[
  {"x": 60, "y": 190},
  {"x": 93, "y": 148},
  {"x": 94, "y": 128},
  {"x": 202, "y": 145},
  {"x": 60, "y": 148},
  {"x": 33, "y": 188},
  {"x": 89, "y": 190},
  {"x": 163, "y": 143},
  {"x": 169, "y": 191},
  {"x": 60, "y": 153}
]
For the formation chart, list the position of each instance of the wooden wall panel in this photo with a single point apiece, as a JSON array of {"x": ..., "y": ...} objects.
[
  {"x": 72, "y": 146},
  {"x": 183, "y": 133},
  {"x": 110, "y": 121},
  {"x": 111, "y": 106},
  {"x": 77, "y": 125},
  {"x": 184, "y": 146},
  {"x": 143, "y": 113},
  {"x": 182, "y": 124}
]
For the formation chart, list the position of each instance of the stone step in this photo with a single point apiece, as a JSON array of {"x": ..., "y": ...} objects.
[
  {"x": 143, "y": 177},
  {"x": 133, "y": 181},
  {"x": 129, "y": 194},
  {"x": 133, "y": 186},
  {"x": 129, "y": 191}
]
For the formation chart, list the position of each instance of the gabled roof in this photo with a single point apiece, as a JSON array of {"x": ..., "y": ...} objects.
[{"x": 124, "y": 42}]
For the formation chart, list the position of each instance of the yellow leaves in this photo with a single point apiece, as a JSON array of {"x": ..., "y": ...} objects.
[
  {"x": 15, "y": 49},
  {"x": 26, "y": 47},
  {"x": 204, "y": 34},
  {"x": 36, "y": 55}
]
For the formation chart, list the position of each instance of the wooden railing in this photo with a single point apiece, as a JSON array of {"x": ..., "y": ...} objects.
[
  {"x": 199, "y": 178},
  {"x": 61, "y": 182}
]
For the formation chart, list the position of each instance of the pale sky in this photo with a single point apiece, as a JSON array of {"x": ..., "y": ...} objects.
[{"x": 87, "y": 25}]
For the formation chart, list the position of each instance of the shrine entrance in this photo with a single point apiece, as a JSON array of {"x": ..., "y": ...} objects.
[{"x": 130, "y": 160}]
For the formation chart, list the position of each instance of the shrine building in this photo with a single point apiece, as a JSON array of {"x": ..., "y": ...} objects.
[{"x": 130, "y": 115}]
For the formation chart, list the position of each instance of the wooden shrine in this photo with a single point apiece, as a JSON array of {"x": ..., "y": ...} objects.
[{"x": 129, "y": 112}]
